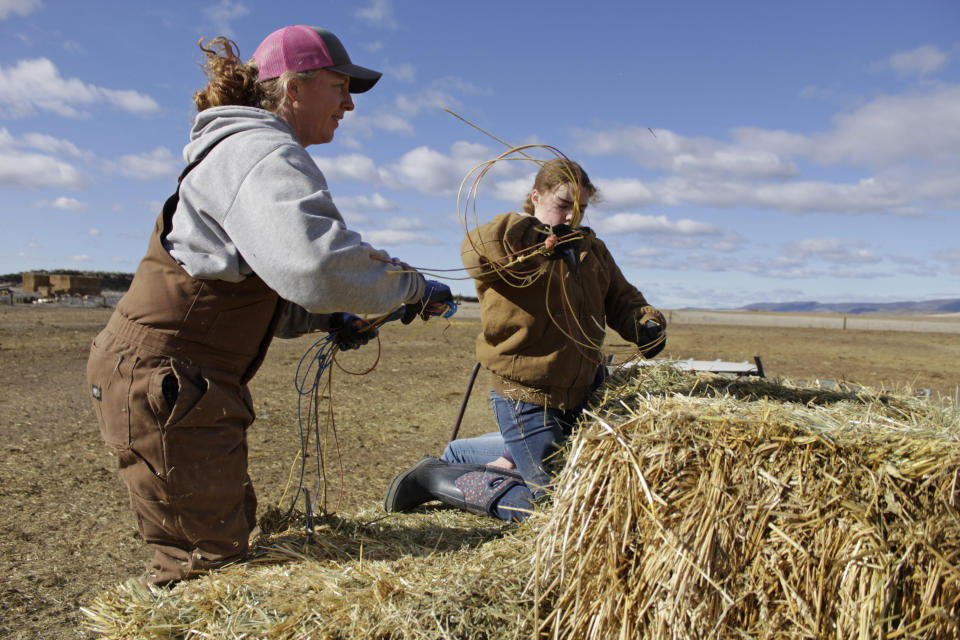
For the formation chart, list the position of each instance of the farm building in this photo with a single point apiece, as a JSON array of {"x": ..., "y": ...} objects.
[
  {"x": 82, "y": 285},
  {"x": 33, "y": 282},
  {"x": 47, "y": 284}
]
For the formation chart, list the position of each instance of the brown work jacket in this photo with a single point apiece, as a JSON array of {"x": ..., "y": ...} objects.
[{"x": 544, "y": 320}]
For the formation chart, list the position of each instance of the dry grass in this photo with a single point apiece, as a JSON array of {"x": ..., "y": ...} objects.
[
  {"x": 697, "y": 507},
  {"x": 688, "y": 507},
  {"x": 429, "y": 574}
]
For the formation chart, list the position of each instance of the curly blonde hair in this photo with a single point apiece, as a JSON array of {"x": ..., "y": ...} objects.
[{"x": 231, "y": 81}]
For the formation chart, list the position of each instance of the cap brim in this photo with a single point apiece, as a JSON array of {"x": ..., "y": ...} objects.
[{"x": 361, "y": 78}]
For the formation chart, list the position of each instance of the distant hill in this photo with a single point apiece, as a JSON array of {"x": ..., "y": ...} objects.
[
  {"x": 113, "y": 281},
  {"x": 947, "y": 305}
]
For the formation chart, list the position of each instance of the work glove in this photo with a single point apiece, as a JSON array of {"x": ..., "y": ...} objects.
[
  {"x": 569, "y": 250},
  {"x": 350, "y": 332},
  {"x": 435, "y": 293},
  {"x": 651, "y": 338},
  {"x": 651, "y": 332}
]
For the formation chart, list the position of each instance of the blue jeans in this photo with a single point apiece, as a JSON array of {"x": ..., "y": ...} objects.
[{"x": 531, "y": 434}]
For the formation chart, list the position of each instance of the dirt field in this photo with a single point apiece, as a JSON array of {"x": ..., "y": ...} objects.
[{"x": 67, "y": 532}]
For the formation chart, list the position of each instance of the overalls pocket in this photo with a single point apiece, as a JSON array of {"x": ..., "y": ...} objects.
[{"x": 110, "y": 376}]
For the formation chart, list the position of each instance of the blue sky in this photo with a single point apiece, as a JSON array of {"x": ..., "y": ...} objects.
[{"x": 745, "y": 151}]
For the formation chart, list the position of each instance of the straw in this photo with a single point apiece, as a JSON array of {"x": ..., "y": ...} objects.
[{"x": 686, "y": 506}]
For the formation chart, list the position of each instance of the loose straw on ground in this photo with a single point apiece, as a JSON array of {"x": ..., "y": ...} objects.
[{"x": 688, "y": 506}]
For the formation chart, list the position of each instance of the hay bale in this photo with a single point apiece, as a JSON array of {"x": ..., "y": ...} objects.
[
  {"x": 693, "y": 506},
  {"x": 689, "y": 506},
  {"x": 425, "y": 575}
]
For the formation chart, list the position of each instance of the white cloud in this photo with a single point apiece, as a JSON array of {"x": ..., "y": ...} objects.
[
  {"x": 835, "y": 250},
  {"x": 376, "y": 202},
  {"x": 19, "y": 7},
  {"x": 363, "y": 126},
  {"x": 845, "y": 260},
  {"x": 711, "y": 263},
  {"x": 36, "y": 85},
  {"x": 394, "y": 237},
  {"x": 431, "y": 98},
  {"x": 659, "y": 225},
  {"x": 223, "y": 14},
  {"x": 646, "y": 252},
  {"x": 348, "y": 167},
  {"x": 152, "y": 165},
  {"x": 396, "y": 118},
  {"x": 434, "y": 173},
  {"x": 650, "y": 261},
  {"x": 129, "y": 100},
  {"x": 905, "y": 260},
  {"x": 669, "y": 151},
  {"x": 951, "y": 260},
  {"x": 907, "y": 147},
  {"x": 515, "y": 190},
  {"x": 731, "y": 160},
  {"x": 425, "y": 170},
  {"x": 63, "y": 203},
  {"x": 405, "y": 223},
  {"x": 401, "y": 72},
  {"x": 624, "y": 192},
  {"x": 921, "y": 128},
  {"x": 921, "y": 61},
  {"x": 680, "y": 241},
  {"x": 94, "y": 232},
  {"x": 870, "y": 195},
  {"x": 729, "y": 243},
  {"x": 858, "y": 275},
  {"x": 458, "y": 84},
  {"x": 43, "y": 142},
  {"x": 920, "y": 270},
  {"x": 380, "y": 13},
  {"x": 782, "y": 268},
  {"x": 37, "y": 171}
]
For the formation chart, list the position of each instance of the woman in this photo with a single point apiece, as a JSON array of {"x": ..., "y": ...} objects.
[
  {"x": 547, "y": 289},
  {"x": 250, "y": 246}
]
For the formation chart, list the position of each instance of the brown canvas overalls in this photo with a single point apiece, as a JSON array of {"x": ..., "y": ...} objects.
[{"x": 169, "y": 378}]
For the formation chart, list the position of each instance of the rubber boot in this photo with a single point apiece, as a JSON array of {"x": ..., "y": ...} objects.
[{"x": 472, "y": 487}]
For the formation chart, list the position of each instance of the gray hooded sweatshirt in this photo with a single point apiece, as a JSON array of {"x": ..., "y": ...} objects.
[{"x": 259, "y": 204}]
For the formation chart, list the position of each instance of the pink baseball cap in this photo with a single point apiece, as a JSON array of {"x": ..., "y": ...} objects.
[{"x": 301, "y": 48}]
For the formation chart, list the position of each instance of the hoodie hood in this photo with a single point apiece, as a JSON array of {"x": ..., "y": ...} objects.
[{"x": 214, "y": 124}]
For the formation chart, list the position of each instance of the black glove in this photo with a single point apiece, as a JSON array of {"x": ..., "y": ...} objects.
[
  {"x": 434, "y": 293},
  {"x": 345, "y": 329},
  {"x": 568, "y": 250},
  {"x": 651, "y": 339}
]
